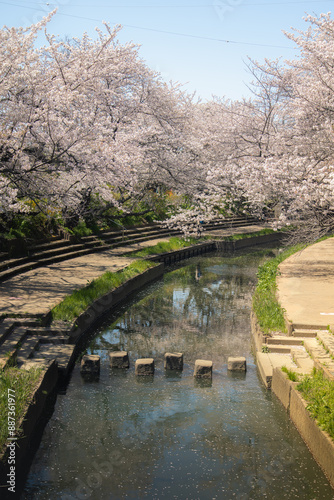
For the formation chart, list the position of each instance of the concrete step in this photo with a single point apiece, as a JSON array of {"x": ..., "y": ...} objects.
[
  {"x": 302, "y": 360},
  {"x": 65, "y": 256},
  {"x": 11, "y": 345},
  {"x": 279, "y": 348},
  {"x": 321, "y": 357},
  {"x": 46, "y": 332},
  {"x": 142, "y": 236},
  {"x": 283, "y": 340},
  {"x": 7, "y": 264},
  {"x": 7, "y": 325},
  {"x": 57, "y": 251},
  {"x": 327, "y": 340},
  {"x": 26, "y": 351},
  {"x": 53, "y": 340},
  {"x": 302, "y": 332},
  {"x": 61, "y": 353},
  {"x": 48, "y": 245},
  {"x": 266, "y": 363}
]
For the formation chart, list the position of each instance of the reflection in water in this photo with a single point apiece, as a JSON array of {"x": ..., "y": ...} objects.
[{"x": 170, "y": 436}]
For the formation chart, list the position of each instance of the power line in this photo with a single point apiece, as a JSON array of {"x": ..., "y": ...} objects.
[
  {"x": 155, "y": 6},
  {"x": 174, "y": 33}
]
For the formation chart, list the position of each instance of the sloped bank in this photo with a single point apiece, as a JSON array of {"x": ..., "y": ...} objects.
[{"x": 318, "y": 441}]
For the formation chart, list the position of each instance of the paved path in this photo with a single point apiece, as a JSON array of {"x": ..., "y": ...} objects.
[
  {"x": 306, "y": 285},
  {"x": 37, "y": 291}
]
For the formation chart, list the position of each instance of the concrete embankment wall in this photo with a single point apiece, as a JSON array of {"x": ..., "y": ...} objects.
[
  {"x": 89, "y": 318},
  {"x": 320, "y": 444},
  {"x": 32, "y": 427}
]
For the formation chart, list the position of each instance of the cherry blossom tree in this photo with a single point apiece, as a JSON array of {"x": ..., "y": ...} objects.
[
  {"x": 84, "y": 118},
  {"x": 86, "y": 125}
]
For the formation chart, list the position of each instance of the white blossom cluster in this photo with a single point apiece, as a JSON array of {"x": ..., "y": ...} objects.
[{"x": 87, "y": 117}]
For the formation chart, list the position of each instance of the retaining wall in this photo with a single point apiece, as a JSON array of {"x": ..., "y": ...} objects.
[
  {"x": 32, "y": 426},
  {"x": 320, "y": 444}
]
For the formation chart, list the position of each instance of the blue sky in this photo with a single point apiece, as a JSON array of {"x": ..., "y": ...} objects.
[{"x": 210, "y": 60}]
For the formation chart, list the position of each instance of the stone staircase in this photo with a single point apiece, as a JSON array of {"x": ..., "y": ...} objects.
[
  {"x": 48, "y": 253},
  {"x": 25, "y": 342},
  {"x": 59, "y": 249},
  {"x": 305, "y": 349}
]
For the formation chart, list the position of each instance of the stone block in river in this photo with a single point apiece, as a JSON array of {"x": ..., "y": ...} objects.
[
  {"x": 237, "y": 364},
  {"x": 119, "y": 359},
  {"x": 90, "y": 364},
  {"x": 203, "y": 368},
  {"x": 144, "y": 366},
  {"x": 173, "y": 361}
]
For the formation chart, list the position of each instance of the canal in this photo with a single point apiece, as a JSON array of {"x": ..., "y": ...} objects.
[{"x": 172, "y": 436}]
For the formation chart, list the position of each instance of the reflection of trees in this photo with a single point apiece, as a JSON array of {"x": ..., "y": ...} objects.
[
  {"x": 201, "y": 308},
  {"x": 147, "y": 430}
]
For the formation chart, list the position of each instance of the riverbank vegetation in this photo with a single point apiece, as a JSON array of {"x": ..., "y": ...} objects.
[
  {"x": 76, "y": 303},
  {"x": 318, "y": 392},
  {"x": 19, "y": 385},
  {"x": 268, "y": 311},
  {"x": 166, "y": 246}
]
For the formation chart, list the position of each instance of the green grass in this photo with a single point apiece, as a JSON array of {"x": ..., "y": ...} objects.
[
  {"x": 318, "y": 392},
  {"x": 76, "y": 303},
  {"x": 235, "y": 237},
  {"x": 293, "y": 376},
  {"x": 269, "y": 313},
  {"x": 23, "y": 383},
  {"x": 166, "y": 246}
]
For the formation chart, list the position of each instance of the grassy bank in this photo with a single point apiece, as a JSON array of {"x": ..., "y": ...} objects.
[
  {"x": 171, "y": 245},
  {"x": 18, "y": 385},
  {"x": 269, "y": 313},
  {"x": 76, "y": 303},
  {"x": 241, "y": 236},
  {"x": 318, "y": 392}
]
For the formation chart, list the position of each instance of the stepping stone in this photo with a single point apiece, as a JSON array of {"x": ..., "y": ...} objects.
[
  {"x": 236, "y": 364},
  {"x": 203, "y": 368},
  {"x": 90, "y": 364},
  {"x": 144, "y": 366},
  {"x": 119, "y": 359},
  {"x": 173, "y": 361}
]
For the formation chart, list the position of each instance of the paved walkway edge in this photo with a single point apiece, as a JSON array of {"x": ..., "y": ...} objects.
[{"x": 318, "y": 442}]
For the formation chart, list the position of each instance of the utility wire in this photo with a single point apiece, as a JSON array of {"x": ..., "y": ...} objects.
[
  {"x": 174, "y": 33},
  {"x": 216, "y": 3}
]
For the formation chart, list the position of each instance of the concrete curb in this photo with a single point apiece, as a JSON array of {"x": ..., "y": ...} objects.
[
  {"x": 320, "y": 444},
  {"x": 104, "y": 304},
  {"x": 32, "y": 427}
]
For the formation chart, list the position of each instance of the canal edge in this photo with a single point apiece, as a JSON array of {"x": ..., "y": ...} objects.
[{"x": 318, "y": 441}]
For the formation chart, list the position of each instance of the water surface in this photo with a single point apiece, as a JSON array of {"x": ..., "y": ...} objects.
[{"x": 171, "y": 436}]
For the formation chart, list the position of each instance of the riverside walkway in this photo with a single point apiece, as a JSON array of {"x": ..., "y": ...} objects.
[
  {"x": 37, "y": 291},
  {"x": 306, "y": 285},
  {"x": 306, "y": 292}
]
